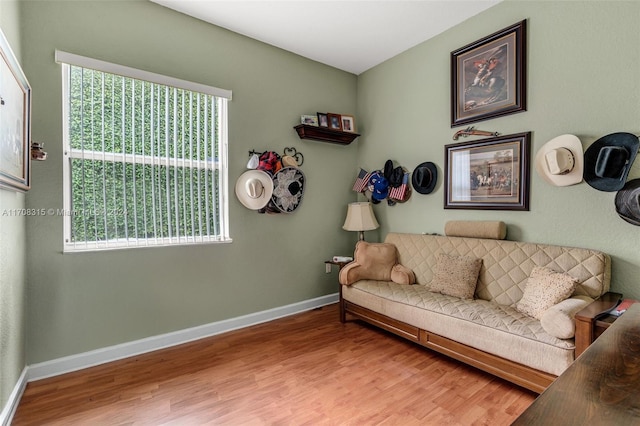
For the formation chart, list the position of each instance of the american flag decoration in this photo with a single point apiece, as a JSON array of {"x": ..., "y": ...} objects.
[
  {"x": 362, "y": 181},
  {"x": 400, "y": 192}
]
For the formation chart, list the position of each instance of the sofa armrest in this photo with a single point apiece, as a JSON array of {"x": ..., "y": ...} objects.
[
  {"x": 586, "y": 319},
  {"x": 343, "y": 275}
]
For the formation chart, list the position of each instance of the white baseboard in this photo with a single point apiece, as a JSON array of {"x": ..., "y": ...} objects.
[
  {"x": 112, "y": 353},
  {"x": 6, "y": 416}
]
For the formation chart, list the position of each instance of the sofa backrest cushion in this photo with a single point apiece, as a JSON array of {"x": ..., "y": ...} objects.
[{"x": 506, "y": 265}]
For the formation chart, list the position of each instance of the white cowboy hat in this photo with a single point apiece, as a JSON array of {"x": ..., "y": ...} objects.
[
  {"x": 561, "y": 161},
  {"x": 254, "y": 189}
]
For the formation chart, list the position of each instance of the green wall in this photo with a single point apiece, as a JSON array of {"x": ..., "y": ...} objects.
[
  {"x": 582, "y": 78},
  {"x": 85, "y": 301},
  {"x": 583, "y": 68},
  {"x": 12, "y": 253}
]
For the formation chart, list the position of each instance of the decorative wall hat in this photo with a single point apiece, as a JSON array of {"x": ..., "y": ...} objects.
[
  {"x": 253, "y": 162},
  {"x": 269, "y": 162},
  {"x": 628, "y": 202},
  {"x": 254, "y": 189},
  {"x": 379, "y": 186},
  {"x": 289, "y": 161},
  {"x": 608, "y": 160},
  {"x": 288, "y": 188},
  {"x": 401, "y": 192},
  {"x": 388, "y": 169},
  {"x": 424, "y": 177},
  {"x": 560, "y": 161}
]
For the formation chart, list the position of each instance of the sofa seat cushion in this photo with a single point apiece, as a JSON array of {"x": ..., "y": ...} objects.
[{"x": 497, "y": 329}]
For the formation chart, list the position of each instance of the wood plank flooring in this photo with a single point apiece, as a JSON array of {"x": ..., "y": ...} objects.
[{"x": 306, "y": 369}]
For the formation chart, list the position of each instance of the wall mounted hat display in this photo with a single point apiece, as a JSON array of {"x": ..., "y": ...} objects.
[
  {"x": 390, "y": 183},
  {"x": 276, "y": 185},
  {"x": 608, "y": 160},
  {"x": 560, "y": 161}
]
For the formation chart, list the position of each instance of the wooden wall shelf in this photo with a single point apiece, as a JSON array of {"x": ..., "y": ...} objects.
[{"x": 324, "y": 134}]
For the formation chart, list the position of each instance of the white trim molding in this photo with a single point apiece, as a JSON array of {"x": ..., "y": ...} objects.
[
  {"x": 113, "y": 353},
  {"x": 9, "y": 410}
]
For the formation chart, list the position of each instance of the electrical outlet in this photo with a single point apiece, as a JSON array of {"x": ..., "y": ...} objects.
[{"x": 327, "y": 268}]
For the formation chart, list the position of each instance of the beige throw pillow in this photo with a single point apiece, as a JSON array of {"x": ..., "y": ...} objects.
[
  {"x": 545, "y": 287},
  {"x": 560, "y": 320},
  {"x": 456, "y": 276}
]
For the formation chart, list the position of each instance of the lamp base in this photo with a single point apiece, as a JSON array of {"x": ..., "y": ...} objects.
[{"x": 360, "y": 235}]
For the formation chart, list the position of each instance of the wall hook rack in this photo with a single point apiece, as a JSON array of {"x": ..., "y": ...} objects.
[{"x": 37, "y": 153}]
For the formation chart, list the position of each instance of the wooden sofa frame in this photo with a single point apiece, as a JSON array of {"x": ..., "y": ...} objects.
[{"x": 527, "y": 377}]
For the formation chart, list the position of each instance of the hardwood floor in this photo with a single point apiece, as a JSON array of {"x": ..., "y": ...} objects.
[{"x": 306, "y": 369}]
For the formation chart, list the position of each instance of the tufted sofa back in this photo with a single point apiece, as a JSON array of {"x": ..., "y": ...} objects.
[{"x": 506, "y": 265}]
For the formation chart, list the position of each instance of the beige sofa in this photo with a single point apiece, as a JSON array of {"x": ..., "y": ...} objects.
[{"x": 487, "y": 332}]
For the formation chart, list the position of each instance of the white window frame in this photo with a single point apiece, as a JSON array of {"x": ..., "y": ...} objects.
[{"x": 68, "y": 59}]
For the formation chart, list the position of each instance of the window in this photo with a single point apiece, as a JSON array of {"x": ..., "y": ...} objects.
[{"x": 145, "y": 158}]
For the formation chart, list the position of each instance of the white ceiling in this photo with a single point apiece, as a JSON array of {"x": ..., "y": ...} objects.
[{"x": 352, "y": 35}]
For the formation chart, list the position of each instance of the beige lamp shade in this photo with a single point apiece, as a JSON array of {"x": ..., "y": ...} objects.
[{"x": 360, "y": 218}]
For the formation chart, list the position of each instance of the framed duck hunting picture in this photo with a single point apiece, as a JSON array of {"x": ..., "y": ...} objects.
[
  {"x": 488, "y": 76},
  {"x": 15, "y": 125},
  {"x": 488, "y": 174}
]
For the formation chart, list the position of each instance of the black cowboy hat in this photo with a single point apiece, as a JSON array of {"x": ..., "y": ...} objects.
[
  {"x": 628, "y": 202},
  {"x": 424, "y": 177},
  {"x": 608, "y": 160}
]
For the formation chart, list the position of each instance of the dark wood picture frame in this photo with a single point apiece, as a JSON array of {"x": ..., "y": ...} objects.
[
  {"x": 488, "y": 76},
  {"x": 488, "y": 174},
  {"x": 323, "y": 120},
  {"x": 15, "y": 122},
  {"x": 335, "y": 121}
]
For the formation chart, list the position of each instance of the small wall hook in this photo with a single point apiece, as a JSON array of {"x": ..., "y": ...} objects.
[{"x": 37, "y": 153}]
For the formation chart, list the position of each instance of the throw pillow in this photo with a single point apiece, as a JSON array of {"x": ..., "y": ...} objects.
[
  {"x": 372, "y": 261},
  {"x": 559, "y": 320},
  {"x": 456, "y": 275},
  {"x": 545, "y": 288}
]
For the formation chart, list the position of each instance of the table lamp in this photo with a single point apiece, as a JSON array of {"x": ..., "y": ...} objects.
[{"x": 360, "y": 218}]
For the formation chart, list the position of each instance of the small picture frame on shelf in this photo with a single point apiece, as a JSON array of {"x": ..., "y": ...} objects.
[
  {"x": 335, "y": 123},
  {"x": 309, "y": 120},
  {"x": 323, "y": 119},
  {"x": 348, "y": 123}
]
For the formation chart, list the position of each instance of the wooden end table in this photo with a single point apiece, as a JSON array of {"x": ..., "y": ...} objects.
[
  {"x": 593, "y": 320},
  {"x": 340, "y": 265},
  {"x": 600, "y": 387}
]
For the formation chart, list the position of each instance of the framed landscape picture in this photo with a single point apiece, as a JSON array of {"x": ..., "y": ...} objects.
[
  {"x": 488, "y": 77},
  {"x": 15, "y": 122},
  {"x": 488, "y": 174}
]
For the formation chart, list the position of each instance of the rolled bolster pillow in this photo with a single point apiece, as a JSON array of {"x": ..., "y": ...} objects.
[
  {"x": 495, "y": 230},
  {"x": 559, "y": 320}
]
